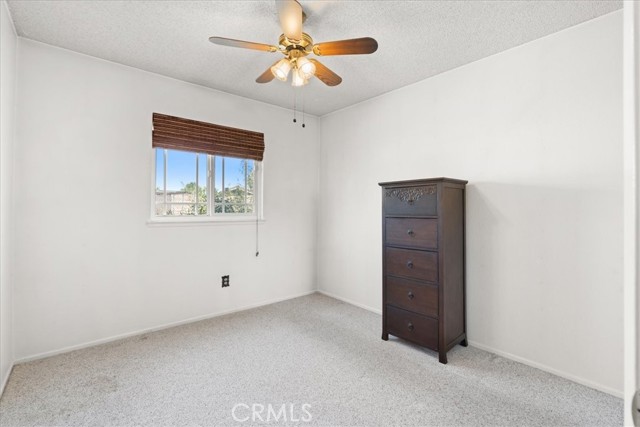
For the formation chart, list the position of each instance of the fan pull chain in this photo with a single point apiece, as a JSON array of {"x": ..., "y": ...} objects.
[
  {"x": 303, "y": 125},
  {"x": 294, "y": 105},
  {"x": 295, "y": 100}
]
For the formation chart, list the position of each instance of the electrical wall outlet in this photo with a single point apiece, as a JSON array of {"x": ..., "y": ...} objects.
[{"x": 225, "y": 281}]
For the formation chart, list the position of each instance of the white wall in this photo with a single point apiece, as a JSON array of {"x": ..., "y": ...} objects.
[
  {"x": 537, "y": 131},
  {"x": 636, "y": 312},
  {"x": 631, "y": 198},
  {"x": 7, "y": 89},
  {"x": 87, "y": 265}
]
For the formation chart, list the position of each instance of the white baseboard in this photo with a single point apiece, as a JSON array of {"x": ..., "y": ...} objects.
[
  {"x": 155, "y": 328},
  {"x": 348, "y": 301},
  {"x": 5, "y": 380},
  {"x": 570, "y": 377}
]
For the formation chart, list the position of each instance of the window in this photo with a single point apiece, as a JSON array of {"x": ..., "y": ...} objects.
[
  {"x": 189, "y": 184},
  {"x": 205, "y": 170}
]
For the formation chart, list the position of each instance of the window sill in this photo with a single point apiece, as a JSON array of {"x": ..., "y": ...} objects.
[{"x": 201, "y": 221}]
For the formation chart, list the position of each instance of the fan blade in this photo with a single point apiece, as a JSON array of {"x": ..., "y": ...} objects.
[
  {"x": 290, "y": 13},
  {"x": 325, "y": 75},
  {"x": 360, "y": 46},
  {"x": 267, "y": 76},
  {"x": 245, "y": 45}
]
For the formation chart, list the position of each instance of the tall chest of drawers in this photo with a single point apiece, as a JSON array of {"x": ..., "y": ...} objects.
[{"x": 423, "y": 287}]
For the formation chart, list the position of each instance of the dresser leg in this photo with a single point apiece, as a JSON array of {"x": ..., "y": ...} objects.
[
  {"x": 443, "y": 358},
  {"x": 464, "y": 343},
  {"x": 385, "y": 336}
]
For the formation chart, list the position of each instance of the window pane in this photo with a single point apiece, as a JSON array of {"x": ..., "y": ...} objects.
[
  {"x": 234, "y": 182},
  {"x": 159, "y": 175},
  {"x": 159, "y": 168},
  {"x": 181, "y": 169},
  {"x": 181, "y": 182},
  {"x": 202, "y": 184},
  {"x": 251, "y": 176},
  {"x": 218, "y": 182}
]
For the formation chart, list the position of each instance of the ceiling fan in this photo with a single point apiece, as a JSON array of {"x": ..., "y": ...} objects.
[{"x": 295, "y": 45}]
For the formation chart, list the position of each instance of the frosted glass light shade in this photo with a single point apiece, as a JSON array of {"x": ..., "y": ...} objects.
[
  {"x": 306, "y": 67},
  {"x": 281, "y": 69},
  {"x": 298, "y": 78}
]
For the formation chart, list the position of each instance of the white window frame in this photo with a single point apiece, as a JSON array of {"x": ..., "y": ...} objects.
[{"x": 212, "y": 218}]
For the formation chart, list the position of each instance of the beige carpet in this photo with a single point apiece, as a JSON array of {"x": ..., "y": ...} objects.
[{"x": 313, "y": 351}]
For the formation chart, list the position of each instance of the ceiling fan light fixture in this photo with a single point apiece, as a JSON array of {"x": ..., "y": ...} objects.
[
  {"x": 306, "y": 67},
  {"x": 298, "y": 78},
  {"x": 281, "y": 69},
  {"x": 295, "y": 45}
]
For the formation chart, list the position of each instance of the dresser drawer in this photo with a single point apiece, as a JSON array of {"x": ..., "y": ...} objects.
[
  {"x": 412, "y": 263},
  {"x": 414, "y": 232},
  {"x": 421, "y": 200},
  {"x": 413, "y": 327},
  {"x": 418, "y": 297}
]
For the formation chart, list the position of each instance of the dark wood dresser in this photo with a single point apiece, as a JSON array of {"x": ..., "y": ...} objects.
[{"x": 423, "y": 286}]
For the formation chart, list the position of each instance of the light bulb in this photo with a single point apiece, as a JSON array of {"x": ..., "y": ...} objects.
[
  {"x": 306, "y": 67},
  {"x": 298, "y": 78},
  {"x": 281, "y": 69}
]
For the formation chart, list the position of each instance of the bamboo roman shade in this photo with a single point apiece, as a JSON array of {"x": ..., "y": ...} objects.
[{"x": 176, "y": 133}]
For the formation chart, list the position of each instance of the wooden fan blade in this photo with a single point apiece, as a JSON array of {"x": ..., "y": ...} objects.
[
  {"x": 325, "y": 75},
  {"x": 267, "y": 76},
  {"x": 290, "y": 12},
  {"x": 240, "y": 43},
  {"x": 360, "y": 46}
]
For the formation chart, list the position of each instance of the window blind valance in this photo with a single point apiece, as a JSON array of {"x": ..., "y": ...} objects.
[{"x": 176, "y": 133}]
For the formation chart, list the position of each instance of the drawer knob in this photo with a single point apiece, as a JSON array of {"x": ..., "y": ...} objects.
[
  {"x": 410, "y": 232},
  {"x": 410, "y": 326},
  {"x": 410, "y": 264},
  {"x": 410, "y": 295},
  {"x": 410, "y": 201}
]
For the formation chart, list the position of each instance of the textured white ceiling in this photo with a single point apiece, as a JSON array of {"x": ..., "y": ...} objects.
[{"x": 417, "y": 39}]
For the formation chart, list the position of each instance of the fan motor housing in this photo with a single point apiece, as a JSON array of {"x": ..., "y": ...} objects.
[{"x": 300, "y": 45}]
